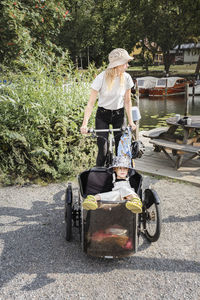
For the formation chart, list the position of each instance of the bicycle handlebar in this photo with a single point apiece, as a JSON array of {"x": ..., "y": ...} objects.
[{"x": 92, "y": 130}]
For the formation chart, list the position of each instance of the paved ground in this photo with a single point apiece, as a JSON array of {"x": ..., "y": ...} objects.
[{"x": 37, "y": 262}]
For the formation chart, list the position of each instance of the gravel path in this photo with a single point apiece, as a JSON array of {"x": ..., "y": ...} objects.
[{"x": 37, "y": 262}]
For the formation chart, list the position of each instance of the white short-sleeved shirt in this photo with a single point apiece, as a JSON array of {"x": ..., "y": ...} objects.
[{"x": 114, "y": 98}]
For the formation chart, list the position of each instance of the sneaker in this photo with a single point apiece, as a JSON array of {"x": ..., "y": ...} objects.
[
  {"x": 135, "y": 205},
  {"x": 90, "y": 202}
]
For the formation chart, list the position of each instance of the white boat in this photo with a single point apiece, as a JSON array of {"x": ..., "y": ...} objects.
[
  {"x": 145, "y": 84},
  {"x": 196, "y": 90},
  {"x": 168, "y": 86}
]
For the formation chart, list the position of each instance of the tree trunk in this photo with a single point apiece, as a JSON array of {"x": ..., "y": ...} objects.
[
  {"x": 197, "y": 67},
  {"x": 167, "y": 62},
  {"x": 146, "y": 67}
]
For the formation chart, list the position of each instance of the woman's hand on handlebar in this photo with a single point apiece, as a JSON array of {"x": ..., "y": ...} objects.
[
  {"x": 133, "y": 126},
  {"x": 84, "y": 129}
]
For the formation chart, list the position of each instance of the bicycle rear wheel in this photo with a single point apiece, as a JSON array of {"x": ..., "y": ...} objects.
[{"x": 152, "y": 216}]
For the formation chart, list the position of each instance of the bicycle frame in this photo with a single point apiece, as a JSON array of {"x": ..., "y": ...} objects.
[{"x": 110, "y": 140}]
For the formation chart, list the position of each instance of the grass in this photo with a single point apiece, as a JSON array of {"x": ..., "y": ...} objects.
[
  {"x": 175, "y": 70},
  {"x": 183, "y": 69}
]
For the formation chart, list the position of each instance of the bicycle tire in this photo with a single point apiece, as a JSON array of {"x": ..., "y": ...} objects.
[
  {"x": 152, "y": 223},
  {"x": 152, "y": 219}
]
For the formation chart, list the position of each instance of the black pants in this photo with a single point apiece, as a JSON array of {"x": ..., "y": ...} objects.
[{"x": 105, "y": 117}]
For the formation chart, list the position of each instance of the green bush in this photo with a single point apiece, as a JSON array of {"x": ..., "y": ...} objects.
[
  {"x": 27, "y": 25},
  {"x": 41, "y": 112}
]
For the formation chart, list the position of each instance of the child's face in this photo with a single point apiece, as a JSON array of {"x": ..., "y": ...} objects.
[{"x": 121, "y": 172}]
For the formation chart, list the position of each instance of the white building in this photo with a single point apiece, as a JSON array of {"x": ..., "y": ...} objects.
[{"x": 187, "y": 53}]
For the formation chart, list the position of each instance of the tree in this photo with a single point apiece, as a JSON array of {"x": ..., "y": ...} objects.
[
  {"x": 97, "y": 26},
  {"x": 27, "y": 25},
  {"x": 76, "y": 36},
  {"x": 169, "y": 23}
]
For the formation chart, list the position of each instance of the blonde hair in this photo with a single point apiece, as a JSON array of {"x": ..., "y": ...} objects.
[{"x": 110, "y": 77}]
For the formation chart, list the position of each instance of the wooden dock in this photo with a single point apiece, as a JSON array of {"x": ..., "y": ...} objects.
[{"x": 156, "y": 163}]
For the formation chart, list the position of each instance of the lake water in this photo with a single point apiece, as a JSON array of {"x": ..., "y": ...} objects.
[{"x": 155, "y": 111}]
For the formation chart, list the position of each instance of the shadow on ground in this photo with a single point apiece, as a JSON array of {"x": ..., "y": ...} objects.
[{"x": 34, "y": 243}]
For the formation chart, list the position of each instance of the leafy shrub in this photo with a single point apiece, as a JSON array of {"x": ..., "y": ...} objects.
[
  {"x": 27, "y": 25},
  {"x": 41, "y": 112}
]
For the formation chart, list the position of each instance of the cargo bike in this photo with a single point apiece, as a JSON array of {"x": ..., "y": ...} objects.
[{"x": 111, "y": 230}]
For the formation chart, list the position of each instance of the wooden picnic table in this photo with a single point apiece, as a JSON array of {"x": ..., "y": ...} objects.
[
  {"x": 192, "y": 129},
  {"x": 175, "y": 144}
]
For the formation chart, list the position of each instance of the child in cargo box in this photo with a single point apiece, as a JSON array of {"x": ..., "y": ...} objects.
[{"x": 121, "y": 190}]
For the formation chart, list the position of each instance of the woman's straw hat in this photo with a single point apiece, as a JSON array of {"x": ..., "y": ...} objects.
[{"x": 118, "y": 57}]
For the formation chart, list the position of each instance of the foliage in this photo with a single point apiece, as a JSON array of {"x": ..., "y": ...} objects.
[
  {"x": 96, "y": 27},
  {"x": 27, "y": 25},
  {"x": 42, "y": 108},
  {"x": 166, "y": 24},
  {"x": 40, "y": 117},
  {"x": 76, "y": 35}
]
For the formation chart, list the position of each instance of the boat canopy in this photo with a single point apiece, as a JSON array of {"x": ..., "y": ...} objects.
[
  {"x": 147, "y": 82},
  {"x": 167, "y": 81}
]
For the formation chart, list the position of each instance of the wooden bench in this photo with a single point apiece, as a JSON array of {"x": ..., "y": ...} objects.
[
  {"x": 178, "y": 150},
  {"x": 155, "y": 133}
]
